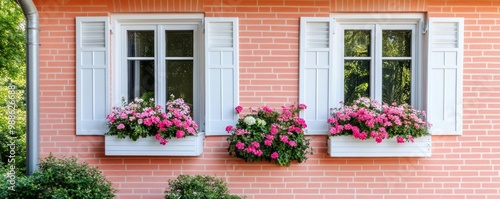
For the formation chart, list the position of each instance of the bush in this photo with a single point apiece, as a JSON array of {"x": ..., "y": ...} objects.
[
  {"x": 60, "y": 178},
  {"x": 267, "y": 135},
  {"x": 198, "y": 187}
]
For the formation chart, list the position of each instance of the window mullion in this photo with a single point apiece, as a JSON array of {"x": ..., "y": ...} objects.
[
  {"x": 376, "y": 67},
  {"x": 160, "y": 85}
]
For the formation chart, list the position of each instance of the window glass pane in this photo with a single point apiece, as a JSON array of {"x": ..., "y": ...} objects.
[
  {"x": 141, "y": 79},
  {"x": 180, "y": 80},
  {"x": 396, "y": 43},
  {"x": 141, "y": 43},
  {"x": 396, "y": 83},
  {"x": 179, "y": 43},
  {"x": 356, "y": 80},
  {"x": 357, "y": 43}
]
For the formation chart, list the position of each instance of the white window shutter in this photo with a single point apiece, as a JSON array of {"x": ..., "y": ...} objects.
[
  {"x": 221, "y": 59},
  {"x": 316, "y": 72},
  {"x": 92, "y": 75},
  {"x": 445, "y": 75}
]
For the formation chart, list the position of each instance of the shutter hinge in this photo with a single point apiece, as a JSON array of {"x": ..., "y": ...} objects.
[{"x": 425, "y": 26}]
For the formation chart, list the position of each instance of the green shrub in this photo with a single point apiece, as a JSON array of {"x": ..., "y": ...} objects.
[
  {"x": 58, "y": 179},
  {"x": 198, "y": 187}
]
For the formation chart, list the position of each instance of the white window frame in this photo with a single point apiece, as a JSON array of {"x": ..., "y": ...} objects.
[
  {"x": 158, "y": 22},
  {"x": 377, "y": 22}
]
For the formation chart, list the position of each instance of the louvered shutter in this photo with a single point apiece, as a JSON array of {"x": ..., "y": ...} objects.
[
  {"x": 92, "y": 75},
  {"x": 221, "y": 59},
  {"x": 316, "y": 72},
  {"x": 445, "y": 75}
]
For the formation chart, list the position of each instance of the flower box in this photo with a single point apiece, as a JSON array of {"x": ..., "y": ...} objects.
[
  {"x": 149, "y": 146},
  {"x": 348, "y": 146}
]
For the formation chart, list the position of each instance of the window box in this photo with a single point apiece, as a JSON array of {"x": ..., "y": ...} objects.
[
  {"x": 348, "y": 146},
  {"x": 149, "y": 146}
]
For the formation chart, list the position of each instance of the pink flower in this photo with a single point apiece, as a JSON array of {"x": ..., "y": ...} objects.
[
  {"x": 158, "y": 136},
  {"x": 410, "y": 138},
  {"x": 302, "y": 106},
  {"x": 269, "y": 137},
  {"x": 292, "y": 143},
  {"x": 139, "y": 121},
  {"x": 274, "y": 129},
  {"x": 112, "y": 119},
  {"x": 120, "y": 126},
  {"x": 148, "y": 121},
  {"x": 400, "y": 139},
  {"x": 274, "y": 155},
  {"x": 163, "y": 142},
  {"x": 284, "y": 138},
  {"x": 257, "y": 153},
  {"x": 179, "y": 134},
  {"x": 333, "y": 130},
  {"x": 255, "y": 144},
  {"x": 267, "y": 109},
  {"x": 167, "y": 123},
  {"x": 229, "y": 128},
  {"x": 240, "y": 145},
  {"x": 177, "y": 122},
  {"x": 238, "y": 109},
  {"x": 191, "y": 130},
  {"x": 268, "y": 142},
  {"x": 301, "y": 122},
  {"x": 123, "y": 116}
]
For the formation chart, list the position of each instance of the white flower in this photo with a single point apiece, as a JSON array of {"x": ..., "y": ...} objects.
[
  {"x": 249, "y": 120},
  {"x": 261, "y": 122}
]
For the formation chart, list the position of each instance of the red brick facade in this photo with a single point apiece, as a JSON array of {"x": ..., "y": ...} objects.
[{"x": 465, "y": 166}]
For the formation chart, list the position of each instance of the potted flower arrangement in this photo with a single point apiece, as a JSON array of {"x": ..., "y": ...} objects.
[
  {"x": 268, "y": 135},
  {"x": 134, "y": 127},
  {"x": 361, "y": 128}
]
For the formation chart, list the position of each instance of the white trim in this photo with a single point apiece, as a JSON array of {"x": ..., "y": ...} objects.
[{"x": 379, "y": 18}]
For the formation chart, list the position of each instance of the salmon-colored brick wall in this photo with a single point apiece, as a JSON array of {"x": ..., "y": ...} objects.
[{"x": 465, "y": 166}]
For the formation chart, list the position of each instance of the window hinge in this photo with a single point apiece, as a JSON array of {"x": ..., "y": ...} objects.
[{"x": 425, "y": 26}]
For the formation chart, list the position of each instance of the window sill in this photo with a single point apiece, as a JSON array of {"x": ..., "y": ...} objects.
[
  {"x": 348, "y": 146},
  {"x": 149, "y": 146}
]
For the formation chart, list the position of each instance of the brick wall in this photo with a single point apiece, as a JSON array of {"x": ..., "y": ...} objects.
[{"x": 464, "y": 166}]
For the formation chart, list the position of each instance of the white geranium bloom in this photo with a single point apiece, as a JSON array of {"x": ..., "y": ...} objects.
[{"x": 249, "y": 120}]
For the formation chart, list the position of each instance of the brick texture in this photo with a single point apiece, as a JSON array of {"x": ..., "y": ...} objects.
[{"x": 461, "y": 167}]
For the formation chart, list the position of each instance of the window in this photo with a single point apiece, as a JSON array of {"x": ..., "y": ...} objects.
[
  {"x": 158, "y": 57},
  {"x": 401, "y": 58},
  {"x": 380, "y": 59}
]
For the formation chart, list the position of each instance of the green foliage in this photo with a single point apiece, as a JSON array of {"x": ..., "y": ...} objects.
[
  {"x": 12, "y": 39},
  {"x": 12, "y": 88},
  {"x": 58, "y": 179},
  {"x": 13, "y": 124},
  {"x": 198, "y": 187}
]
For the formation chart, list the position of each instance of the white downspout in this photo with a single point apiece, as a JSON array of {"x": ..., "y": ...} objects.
[{"x": 32, "y": 90}]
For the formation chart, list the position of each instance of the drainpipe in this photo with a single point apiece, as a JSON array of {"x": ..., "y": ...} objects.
[{"x": 32, "y": 57}]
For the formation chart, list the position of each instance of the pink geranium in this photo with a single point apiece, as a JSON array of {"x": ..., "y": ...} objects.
[
  {"x": 238, "y": 109},
  {"x": 266, "y": 134},
  {"x": 141, "y": 118},
  {"x": 367, "y": 118}
]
